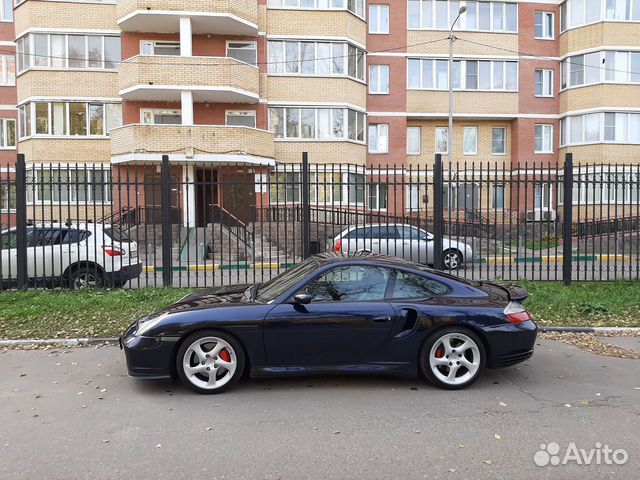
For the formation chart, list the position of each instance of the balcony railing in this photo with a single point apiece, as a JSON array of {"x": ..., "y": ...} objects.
[
  {"x": 212, "y": 79},
  {"x": 222, "y": 17},
  {"x": 224, "y": 143}
]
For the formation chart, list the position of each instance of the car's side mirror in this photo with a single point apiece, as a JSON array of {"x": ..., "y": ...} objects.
[{"x": 302, "y": 298}]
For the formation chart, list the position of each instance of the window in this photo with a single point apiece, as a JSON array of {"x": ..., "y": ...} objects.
[
  {"x": 588, "y": 69},
  {"x": 378, "y": 18},
  {"x": 89, "y": 184},
  {"x": 412, "y": 199},
  {"x": 8, "y": 66},
  {"x": 498, "y": 140},
  {"x": 543, "y": 139},
  {"x": 315, "y": 58},
  {"x": 410, "y": 285},
  {"x": 7, "y": 197},
  {"x": 461, "y": 196},
  {"x": 62, "y": 51},
  {"x": 607, "y": 185},
  {"x": 379, "y": 79},
  {"x": 243, "y": 51},
  {"x": 470, "y": 141},
  {"x": 7, "y": 133},
  {"x": 354, "y": 6},
  {"x": 349, "y": 283},
  {"x": 497, "y": 200},
  {"x": 542, "y": 196},
  {"x": 618, "y": 127},
  {"x": 378, "y": 196},
  {"x": 329, "y": 123},
  {"x": 440, "y": 14},
  {"x": 467, "y": 74},
  {"x": 414, "y": 140},
  {"x": 575, "y": 13},
  {"x": 544, "y": 25},
  {"x": 241, "y": 118},
  {"x": 161, "y": 117},
  {"x": 6, "y": 15},
  {"x": 379, "y": 138},
  {"x": 68, "y": 118},
  {"x": 159, "y": 48},
  {"x": 544, "y": 83},
  {"x": 442, "y": 139}
]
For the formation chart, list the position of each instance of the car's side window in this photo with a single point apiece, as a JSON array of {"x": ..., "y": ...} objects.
[
  {"x": 410, "y": 233},
  {"x": 409, "y": 285},
  {"x": 74, "y": 236},
  {"x": 349, "y": 283},
  {"x": 9, "y": 239},
  {"x": 46, "y": 237}
]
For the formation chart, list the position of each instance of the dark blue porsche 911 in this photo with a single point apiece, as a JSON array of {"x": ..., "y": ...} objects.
[{"x": 336, "y": 314}]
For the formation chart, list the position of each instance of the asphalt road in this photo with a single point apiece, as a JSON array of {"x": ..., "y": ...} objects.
[{"x": 73, "y": 414}]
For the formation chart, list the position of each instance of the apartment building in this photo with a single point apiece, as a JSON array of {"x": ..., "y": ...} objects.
[
  {"x": 7, "y": 107},
  {"x": 231, "y": 88}
]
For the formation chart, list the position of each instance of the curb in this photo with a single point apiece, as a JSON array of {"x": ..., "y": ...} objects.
[
  {"x": 87, "y": 342},
  {"x": 589, "y": 330},
  {"x": 64, "y": 342}
]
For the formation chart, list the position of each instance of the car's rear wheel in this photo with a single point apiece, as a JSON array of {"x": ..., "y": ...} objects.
[
  {"x": 451, "y": 259},
  {"x": 85, "y": 277},
  {"x": 210, "y": 361},
  {"x": 452, "y": 358}
]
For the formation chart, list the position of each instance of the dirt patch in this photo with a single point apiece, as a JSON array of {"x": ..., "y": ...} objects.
[{"x": 590, "y": 343}]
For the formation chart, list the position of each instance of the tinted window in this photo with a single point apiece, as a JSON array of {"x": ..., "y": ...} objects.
[
  {"x": 373, "y": 232},
  {"x": 9, "y": 240},
  {"x": 279, "y": 284},
  {"x": 74, "y": 235},
  {"x": 117, "y": 235},
  {"x": 46, "y": 236},
  {"x": 411, "y": 233},
  {"x": 349, "y": 283},
  {"x": 409, "y": 285}
]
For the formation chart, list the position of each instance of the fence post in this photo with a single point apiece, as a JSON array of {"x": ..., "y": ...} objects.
[
  {"x": 438, "y": 213},
  {"x": 21, "y": 222},
  {"x": 306, "y": 207},
  {"x": 567, "y": 219},
  {"x": 167, "y": 270}
]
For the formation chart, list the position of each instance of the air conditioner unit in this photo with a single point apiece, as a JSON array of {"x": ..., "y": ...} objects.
[{"x": 541, "y": 215}]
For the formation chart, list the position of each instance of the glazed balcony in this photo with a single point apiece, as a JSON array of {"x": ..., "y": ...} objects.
[
  {"x": 210, "y": 79},
  {"x": 220, "y": 17}
]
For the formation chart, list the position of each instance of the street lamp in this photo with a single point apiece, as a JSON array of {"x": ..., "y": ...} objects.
[{"x": 452, "y": 39}]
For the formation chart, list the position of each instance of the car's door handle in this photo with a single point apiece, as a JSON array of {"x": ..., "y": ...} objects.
[{"x": 383, "y": 318}]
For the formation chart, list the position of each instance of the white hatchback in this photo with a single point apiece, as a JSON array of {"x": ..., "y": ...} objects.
[{"x": 74, "y": 256}]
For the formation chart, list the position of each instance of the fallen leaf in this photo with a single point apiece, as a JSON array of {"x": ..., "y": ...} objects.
[
  {"x": 83, "y": 406},
  {"x": 502, "y": 404},
  {"x": 497, "y": 437},
  {"x": 488, "y": 462},
  {"x": 584, "y": 402},
  {"x": 460, "y": 445},
  {"x": 158, "y": 445},
  {"x": 316, "y": 428},
  {"x": 103, "y": 390},
  {"x": 567, "y": 405},
  {"x": 452, "y": 470},
  {"x": 416, "y": 431},
  {"x": 105, "y": 440},
  {"x": 336, "y": 432},
  {"x": 208, "y": 429}
]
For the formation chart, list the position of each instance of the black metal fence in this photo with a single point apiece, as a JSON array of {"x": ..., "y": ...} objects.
[{"x": 203, "y": 225}]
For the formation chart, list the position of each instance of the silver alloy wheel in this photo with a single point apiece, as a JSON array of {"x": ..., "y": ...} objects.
[
  {"x": 209, "y": 363},
  {"x": 451, "y": 260},
  {"x": 84, "y": 280},
  {"x": 454, "y": 358}
]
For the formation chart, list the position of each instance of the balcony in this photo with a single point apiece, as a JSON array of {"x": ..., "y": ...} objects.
[
  {"x": 65, "y": 16},
  {"x": 211, "y": 79},
  {"x": 212, "y": 143},
  {"x": 612, "y": 95},
  {"x": 317, "y": 23},
  {"x": 221, "y": 17}
]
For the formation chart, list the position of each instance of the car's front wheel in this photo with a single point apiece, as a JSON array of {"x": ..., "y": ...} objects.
[
  {"x": 210, "y": 361},
  {"x": 452, "y": 358}
]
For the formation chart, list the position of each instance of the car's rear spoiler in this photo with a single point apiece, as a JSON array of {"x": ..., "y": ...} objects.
[{"x": 516, "y": 293}]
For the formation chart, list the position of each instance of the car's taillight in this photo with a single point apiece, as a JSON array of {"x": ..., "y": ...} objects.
[
  {"x": 113, "y": 251},
  {"x": 516, "y": 313},
  {"x": 337, "y": 247}
]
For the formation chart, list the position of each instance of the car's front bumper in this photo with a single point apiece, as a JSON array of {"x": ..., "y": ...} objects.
[
  {"x": 510, "y": 343},
  {"x": 148, "y": 357}
]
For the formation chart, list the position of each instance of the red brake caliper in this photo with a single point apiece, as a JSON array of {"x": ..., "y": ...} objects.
[
  {"x": 224, "y": 355},
  {"x": 440, "y": 352}
]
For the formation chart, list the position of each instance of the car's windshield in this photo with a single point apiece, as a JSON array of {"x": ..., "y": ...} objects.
[{"x": 269, "y": 291}]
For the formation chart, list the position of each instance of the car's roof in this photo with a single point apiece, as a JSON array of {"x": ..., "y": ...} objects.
[{"x": 365, "y": 257}]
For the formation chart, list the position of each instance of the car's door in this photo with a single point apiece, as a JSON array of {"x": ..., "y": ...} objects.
[
  {"x": 347, "y": 320},
  {"x": 413, "y": 244},
  {"x": 8, "y": 256},
  {"x": 45, "y": 255}
]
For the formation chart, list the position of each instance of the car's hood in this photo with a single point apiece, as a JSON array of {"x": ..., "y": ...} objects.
[{"x": 205, "y": 298}]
